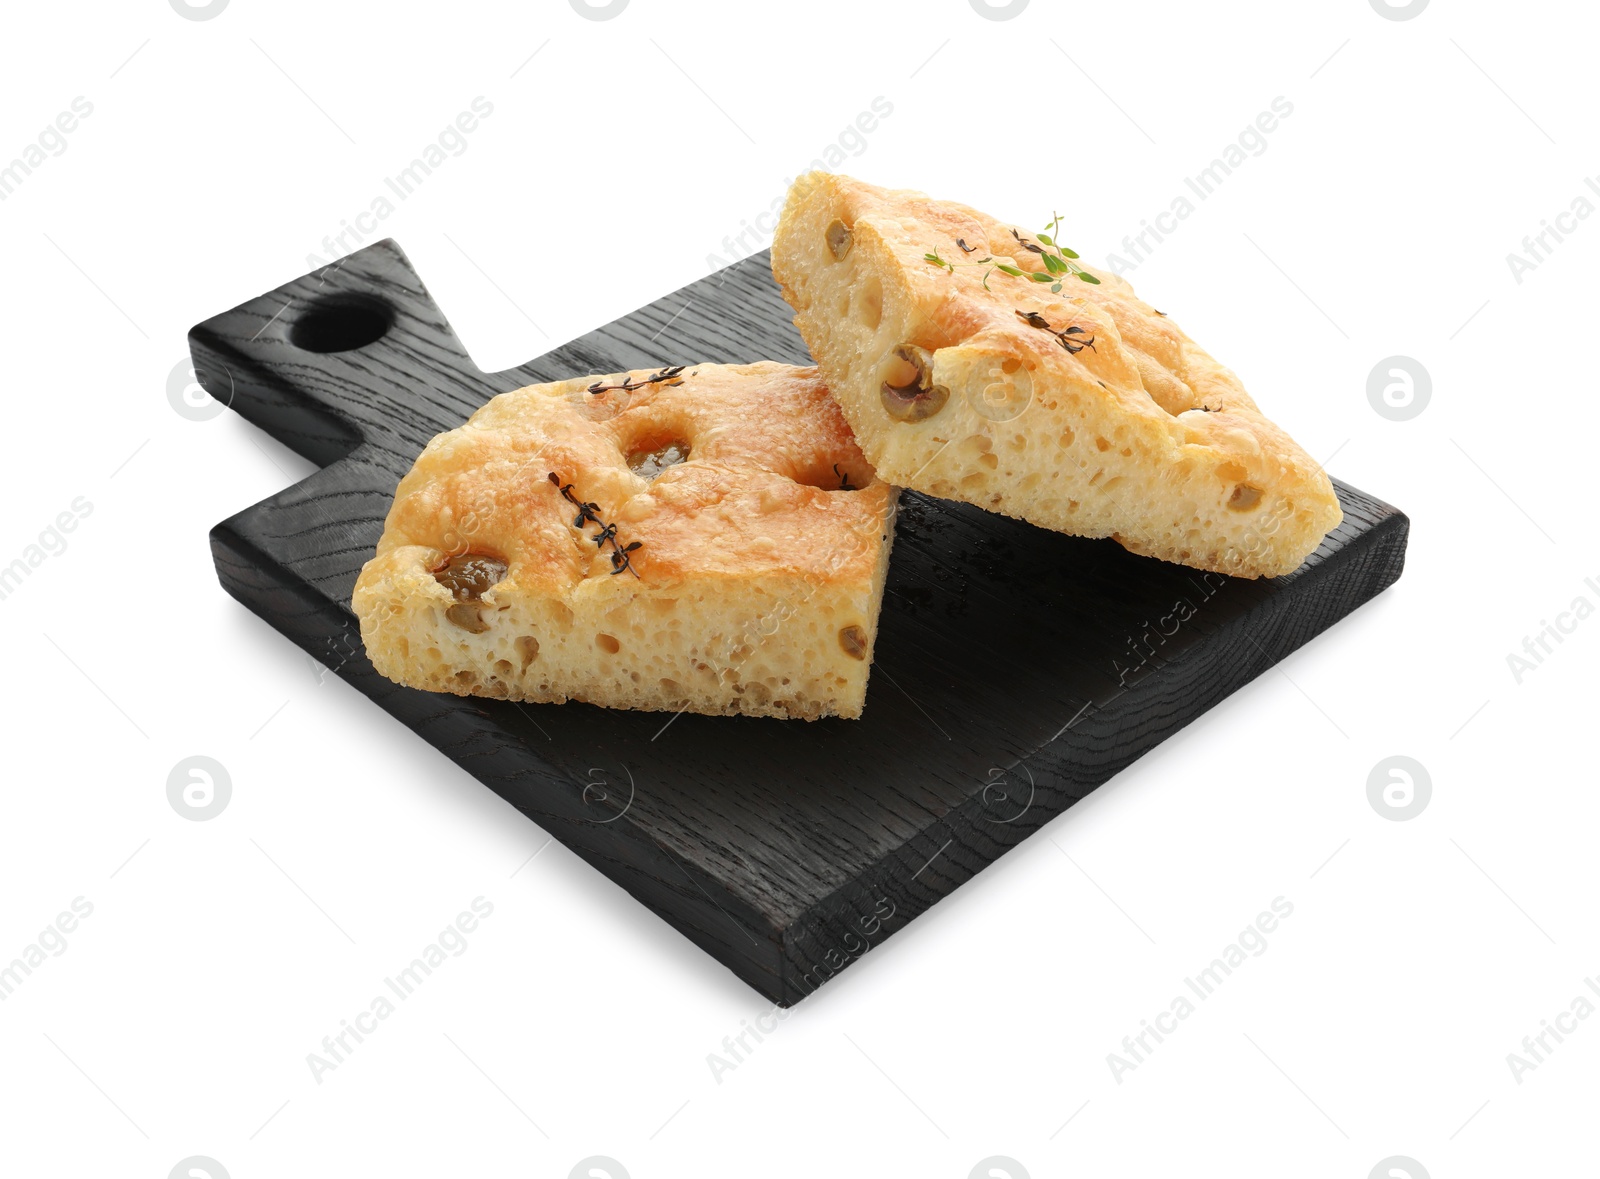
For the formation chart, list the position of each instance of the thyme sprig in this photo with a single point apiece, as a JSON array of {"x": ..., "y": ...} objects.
[
  {"x": 1059, "y": 261},
  {"x": 667, "y": 377},
  {"x": 588, "y": 513},
  {"x": 1069, "y": 338}
]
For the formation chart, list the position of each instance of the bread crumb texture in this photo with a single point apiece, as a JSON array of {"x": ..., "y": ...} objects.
[
  {"x": 713, "y": 541},
  {"x": 969, "y": 393}
]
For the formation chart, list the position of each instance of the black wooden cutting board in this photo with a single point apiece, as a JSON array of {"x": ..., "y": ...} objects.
[{"x": 1016, "y": 669}]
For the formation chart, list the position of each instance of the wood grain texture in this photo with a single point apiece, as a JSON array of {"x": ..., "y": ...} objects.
[{"x": 1016, "y": 669}]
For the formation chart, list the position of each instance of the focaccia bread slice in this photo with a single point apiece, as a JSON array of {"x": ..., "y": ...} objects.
[
  {"x": 1083, "y": 410},
  {"x": 704, "y": 539}
]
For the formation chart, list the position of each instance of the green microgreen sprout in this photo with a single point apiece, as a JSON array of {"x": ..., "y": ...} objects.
[{"x": 1059, "y": 261}]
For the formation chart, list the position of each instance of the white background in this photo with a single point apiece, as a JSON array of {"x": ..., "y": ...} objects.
[{"x": 219, "y": 155}]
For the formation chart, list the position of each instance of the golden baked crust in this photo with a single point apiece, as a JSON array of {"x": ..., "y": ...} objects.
[
  {"x": 1141, "y": 437},
  {"x": 743, "y": 578}
]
